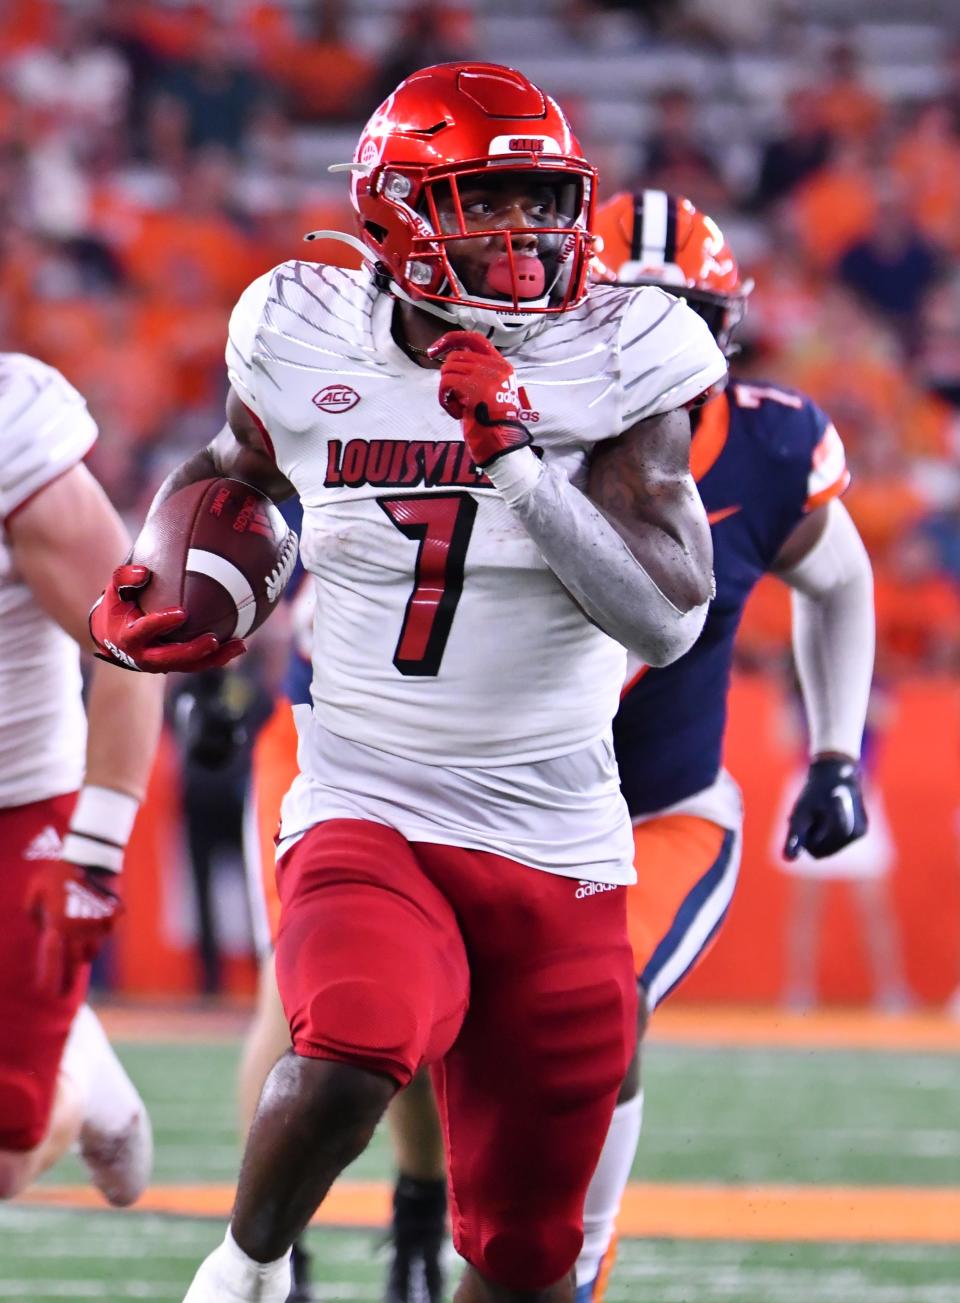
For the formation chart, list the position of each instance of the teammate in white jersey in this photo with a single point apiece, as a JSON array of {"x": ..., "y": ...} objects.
[
  {"x": 477, "y": 581},
  {"x": 60, "y": 854}
]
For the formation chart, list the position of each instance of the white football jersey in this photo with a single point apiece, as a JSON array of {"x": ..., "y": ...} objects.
[
  {"x": 45, "y": 429},
  {"x": 441, "y": 635}
]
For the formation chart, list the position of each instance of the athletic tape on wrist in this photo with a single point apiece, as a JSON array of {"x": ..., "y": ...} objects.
[
  {"x": 100, "y": 828},
  {"x": 515, "y": 474}
]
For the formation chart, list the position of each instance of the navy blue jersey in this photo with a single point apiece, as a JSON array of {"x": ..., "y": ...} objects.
[
  {"x": 299, "y": 672},
  {"x": 762, "y": 457}
]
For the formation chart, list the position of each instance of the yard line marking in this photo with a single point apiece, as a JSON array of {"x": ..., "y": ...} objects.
[
  {"x": 785, "y": 1212},
  {"x": 684, "y": 1211}
]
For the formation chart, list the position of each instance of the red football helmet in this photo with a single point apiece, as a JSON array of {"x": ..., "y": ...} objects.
[
  {"x": 472, "y": 128},
  {"x": 655, "y": 238}
]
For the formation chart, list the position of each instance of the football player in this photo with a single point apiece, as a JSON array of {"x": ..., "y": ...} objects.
[
  {"x": 770, "y": 468},
  {"x": 273, "y": 769},
  {"x": 60, "y": 852},
  {"x": 493, "y": 466},
  {"x": 419, "y": 1218}
]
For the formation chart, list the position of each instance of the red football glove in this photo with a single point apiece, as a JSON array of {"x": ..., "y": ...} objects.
[
  {"x": 75, "y": 909},
  {"x": 125, "y": 636},
  {"x": 478, "y": 387}
]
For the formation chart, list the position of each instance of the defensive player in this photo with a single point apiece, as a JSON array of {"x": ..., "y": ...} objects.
[
  {"x": 60, "y": 853},
  {"x": 477, "y": 579},
  {"x": 418, "y": 1223},
  {"x": 770, "y": 468}
]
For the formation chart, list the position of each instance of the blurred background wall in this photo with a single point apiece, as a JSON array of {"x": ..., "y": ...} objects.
[{"x": 155, "y": 158}]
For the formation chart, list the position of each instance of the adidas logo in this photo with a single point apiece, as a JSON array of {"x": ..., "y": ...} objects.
[
  {"x": 586, "y": 889},
  {"x": 253, "y": 516},
  {"x": 260, "y": 524},
  {"x": 83, "y": 903},
  {"x": 527, "y": 413},
  {"x": 119, "y": 655},
  {"x": 47, "y": 845}
]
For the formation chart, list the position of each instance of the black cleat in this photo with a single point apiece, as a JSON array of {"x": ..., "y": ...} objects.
[
  {"x": 300, "y": 1291},
  {"x": 416, "y": 1276},
  {"x": 417, "y": 1238}
]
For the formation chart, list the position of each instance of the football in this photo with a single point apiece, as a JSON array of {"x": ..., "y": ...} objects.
[{"x": 220, "y": 550}]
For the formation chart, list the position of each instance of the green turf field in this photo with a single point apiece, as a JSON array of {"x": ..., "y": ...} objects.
[{"x": 739, "y": 1116}]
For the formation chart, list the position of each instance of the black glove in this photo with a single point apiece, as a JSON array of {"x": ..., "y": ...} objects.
[{"x": 829, "y": 813}]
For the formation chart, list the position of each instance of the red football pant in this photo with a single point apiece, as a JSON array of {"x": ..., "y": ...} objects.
[
  {"x": 33, "y": 1024},
  {"x": 273, "y": 769},
  {"x": 520, "y": 993}
]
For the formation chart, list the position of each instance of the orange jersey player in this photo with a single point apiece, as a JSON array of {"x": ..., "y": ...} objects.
[
  {"x": 478, "y": 573},
  {"x": 770, "y": 468}
]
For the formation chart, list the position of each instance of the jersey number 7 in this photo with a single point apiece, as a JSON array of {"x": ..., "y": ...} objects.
[{"x": 442, "y": 524}]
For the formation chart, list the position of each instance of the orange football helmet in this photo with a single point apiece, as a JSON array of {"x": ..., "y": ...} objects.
[
  {"x": 655, "y": 238},
  {"x": 477, "y": 125}
]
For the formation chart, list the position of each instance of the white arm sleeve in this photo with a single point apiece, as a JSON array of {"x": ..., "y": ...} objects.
[
  {"x": 593, "y": 562},
  {"x": 834, "y": 634}
]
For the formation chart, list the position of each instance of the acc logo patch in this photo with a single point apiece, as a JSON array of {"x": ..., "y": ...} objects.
[{"x": 336, "y": 398}]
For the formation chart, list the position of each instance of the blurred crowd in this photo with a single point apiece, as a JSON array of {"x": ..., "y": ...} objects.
[{"x": 155, "y": 158}]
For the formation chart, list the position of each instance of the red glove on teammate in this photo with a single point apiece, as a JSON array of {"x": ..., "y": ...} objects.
[
  {"x": 478, "y": 387},
  {"x": 125, "y": 636},
  {"x": 75, "y": 909}
]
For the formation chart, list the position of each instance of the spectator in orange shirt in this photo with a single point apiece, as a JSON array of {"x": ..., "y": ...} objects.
[
  {"x": 926, "y": 157},
  {"x": 172, "y": 31},
  {"x": 918, "y": 611},
  {"x": 280, "y": 233},
  {"x": 850, "y": 364},
  {"x": 881, "y": 499},
  {"x": 325, "y": 77},
  {"x": 846, "y": 107},
  {"x": 270, "y": 28},
  {"x": 196, "y": 237},
  {"x": 127, "y": 380},
  {"x": 835, "y": 206},
  {"x": 187, "y": 329}
]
